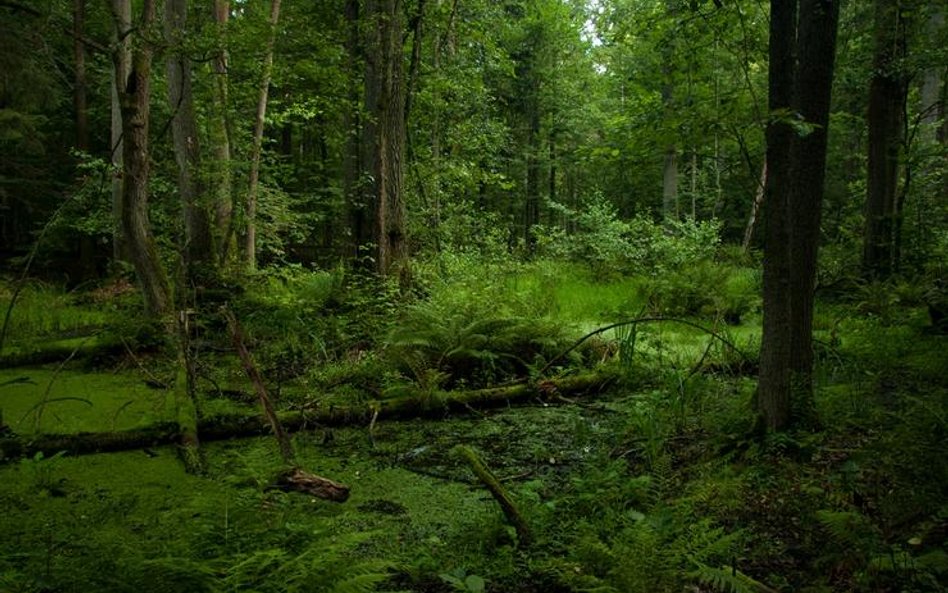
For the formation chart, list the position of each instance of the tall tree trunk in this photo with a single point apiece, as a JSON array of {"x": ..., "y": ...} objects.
[
  {"x": 121, "y": 65},
  {"x": 670, "y": 184},
  {"x": 887, "y": 93},
  {"x": 385, "y": 134},
  {"x": 670, "y": 162},
  {"x": 135, "y": 110},
  {"x": 773, "y": 389},
  {"x": 86, "y": 246},
  {"x": 532, "y": 204},
  {"x": 79, "y": 92},
  {"x": 816, "y": 51},
  {"x": 793, "y": 204},
  {"x": 250, "y": 237},
  {"x": 755, "y": 209},
  {"x": 198, "y": 249},
  {"x": 551, "y": 193},
  {"x": 357, "y": 205},
  {"x": 220, "y": 134}
]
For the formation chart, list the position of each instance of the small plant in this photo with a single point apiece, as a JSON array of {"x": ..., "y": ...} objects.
[
  {"x": 43, "y": 473},
  {"x": 462, "y": 582}
]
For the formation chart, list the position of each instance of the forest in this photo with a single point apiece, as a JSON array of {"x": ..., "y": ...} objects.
[{"x": 606, "y": 296}]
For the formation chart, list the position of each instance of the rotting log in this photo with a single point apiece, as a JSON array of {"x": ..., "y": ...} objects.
[
  {"x": 295, "y": 479},
  {"x": 223, "y": 427}
]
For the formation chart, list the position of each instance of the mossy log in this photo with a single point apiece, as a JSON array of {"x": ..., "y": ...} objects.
[
  {"x": 493, "y": 485},
  {"x": 233, "y": 426},
  {"x": 60, "y": 350}
]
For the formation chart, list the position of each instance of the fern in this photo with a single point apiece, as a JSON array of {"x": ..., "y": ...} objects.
[
  {"x": 727, "y": 579},
  {"x": 326, "y": 565},
  {"x": 849, "y": 529}
]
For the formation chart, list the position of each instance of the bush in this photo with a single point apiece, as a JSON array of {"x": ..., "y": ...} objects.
[
  {"x": 704, "y": 289},
  {"x": 613, "y": 246}
]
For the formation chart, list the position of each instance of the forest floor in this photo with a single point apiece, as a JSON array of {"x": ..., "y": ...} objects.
[{"x": 654, "y": 484}]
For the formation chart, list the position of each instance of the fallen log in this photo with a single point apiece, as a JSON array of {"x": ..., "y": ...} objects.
[
  {"x": 293, "y": 479},
  {"x": 500, "y": 494},
  {"x": 60, "y": 350},
  {"x": 224, "y": 427}
]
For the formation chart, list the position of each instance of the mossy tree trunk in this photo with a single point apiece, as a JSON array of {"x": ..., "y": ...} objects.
[{"x": 134, "y": 103}]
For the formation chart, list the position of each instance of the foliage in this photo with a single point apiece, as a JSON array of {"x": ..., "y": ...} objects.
[
  {"x": 469, "y": 344},
  {"x": 612, "y": 246},
  {"x": 704, "y": 289}
]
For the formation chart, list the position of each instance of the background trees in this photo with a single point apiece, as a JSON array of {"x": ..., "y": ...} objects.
[{"x": 414, "y": 127}]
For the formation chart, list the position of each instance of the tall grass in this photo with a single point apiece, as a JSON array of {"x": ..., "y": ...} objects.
[{"x": 43, "y": 310}]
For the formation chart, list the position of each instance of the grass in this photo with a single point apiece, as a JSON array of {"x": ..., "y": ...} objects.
[{"x": 42, "y": 311}]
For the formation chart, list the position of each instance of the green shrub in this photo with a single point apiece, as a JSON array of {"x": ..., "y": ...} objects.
[
  {"x": 704, "y": 289},
  {"x": 614, "y": 246}
]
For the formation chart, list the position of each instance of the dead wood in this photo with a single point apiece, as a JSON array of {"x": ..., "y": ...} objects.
[
  {"x": 298, "y": 480},
  {"x": 223, "y": 427}
]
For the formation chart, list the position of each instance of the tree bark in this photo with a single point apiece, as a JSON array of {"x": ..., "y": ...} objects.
[
  {"x": 801, "y": 75},
  {"x": 532, "y": 204},
  {"x": 816, "y": 54},
  {"x": 250, "y": 237},
  {"x": 121, "y": 65},
  {"x": 670, "y": 161},
  {"x": 755, "y": 209},
  {"x": 134, "y": 102},
  {"x": 79, "y": 92},
  {"x": 773, "y": 390},
  {"x": 384, "y": 140},
  {"x": 357, "y": 204},
  {"x": 198, "y": 249},
  {"x": 887, "y": 93},
  {"x": 86, "y": 268},
  {"x": 233, "y": 426},
  {"x": 220, "y": 137}
]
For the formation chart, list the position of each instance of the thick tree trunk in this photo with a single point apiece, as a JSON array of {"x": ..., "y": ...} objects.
[
  {"x": 773, "y": 391},
  {"x": 385, "y": 135},
  {"x": 816, "y": 54},
  {"x": 135, "y": 109},
  {"x": 887, "y": 93},
  {"x": 801, "y": 68},
  {"x": 250, "y": 236},
  {"x": 198, "y": 249}
]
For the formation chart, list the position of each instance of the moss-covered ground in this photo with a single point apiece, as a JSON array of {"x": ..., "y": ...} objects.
[{"x": 656, "y": 484}]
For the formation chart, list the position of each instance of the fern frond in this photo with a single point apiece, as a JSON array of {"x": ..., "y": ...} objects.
[{"x": 727, "y": 579}]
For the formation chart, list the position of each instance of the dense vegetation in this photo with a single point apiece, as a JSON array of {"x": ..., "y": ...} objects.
[{"x": 463, "y": 295}]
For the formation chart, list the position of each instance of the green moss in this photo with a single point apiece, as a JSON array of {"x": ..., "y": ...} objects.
[{"x": 49, "y": 400}]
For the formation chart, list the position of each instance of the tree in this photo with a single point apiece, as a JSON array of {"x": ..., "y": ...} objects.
[
  {"x": 198, "y": 249},
  {"x": 250, "y": 236},
  {"x": 220, "y": 134},
  {"x": 888, "y": 92},
  {"x": 384, "y": 135},
  {"x": 802, "y": 52},
  {"x": 134, "y": 104}
]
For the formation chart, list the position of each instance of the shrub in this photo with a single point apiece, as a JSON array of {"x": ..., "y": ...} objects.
[{"x": 613, "y": 246}]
